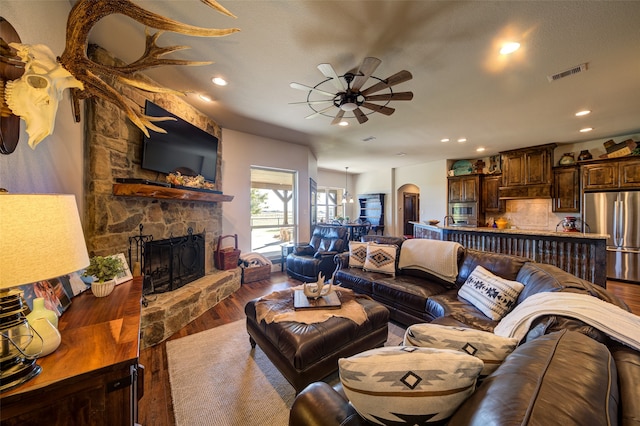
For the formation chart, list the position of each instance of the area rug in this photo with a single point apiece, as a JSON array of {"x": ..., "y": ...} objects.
[{"x": 217, "y": 379}]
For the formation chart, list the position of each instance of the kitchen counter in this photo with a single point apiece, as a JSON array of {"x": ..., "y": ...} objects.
[
  {"x": 513, "y": 231},
  {"x": 581, "y": 254}
]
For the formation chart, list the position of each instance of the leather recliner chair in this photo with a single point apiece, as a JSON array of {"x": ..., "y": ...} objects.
[{"x": 307, "y": 260}]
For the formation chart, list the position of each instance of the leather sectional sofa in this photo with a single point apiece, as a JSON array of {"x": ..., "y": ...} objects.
[{"x": 563, "y": 372}]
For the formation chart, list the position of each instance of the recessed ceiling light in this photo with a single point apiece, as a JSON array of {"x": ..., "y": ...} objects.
[
  {"x": 583, "y": 112},
  {"x": 510, "y": 47},
  {"x": 401, "y": 154},
  {"x": 369, "y": 139},
  {"x": 480, "y": 149},
  {"x": 462, "y": 140},
  {"x": 219, "y": 81},
  {"x": 205, "y": 98},
  {"x": 444, "y": 140},
  {"x": 343, "y": 123},
  {"x": 586, "y": 129}
]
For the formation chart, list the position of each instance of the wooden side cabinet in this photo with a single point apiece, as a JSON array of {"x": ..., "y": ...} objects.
[
  {"x": 566, "y": 189},
  {"x": 464, "y": 188},
  {"x": 491, "y": 202},
  {"x": 93, "y": 378},
  {"x": 618, "y": 173}
]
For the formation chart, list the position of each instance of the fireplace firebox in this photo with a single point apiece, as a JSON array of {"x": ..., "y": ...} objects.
[{"x": 173, "y": 262}]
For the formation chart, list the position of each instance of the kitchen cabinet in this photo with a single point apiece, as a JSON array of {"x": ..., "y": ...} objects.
[
  {"x": 464, "y": 188},
  {"x": 566, "y": 189},
  {"x": 617, "y": 173},
  {"x": 491, "y": 202},
  {"x": 527, "y": 172}
]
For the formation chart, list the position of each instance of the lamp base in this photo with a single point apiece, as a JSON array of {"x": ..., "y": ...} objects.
[
  {"x": 18, "y": 374},
  {"x": 16, "y": 367}
]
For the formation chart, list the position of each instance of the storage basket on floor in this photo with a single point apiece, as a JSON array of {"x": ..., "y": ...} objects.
[
  {"x": 227, "y": 258},
  {"x": 256, "y": 273}
]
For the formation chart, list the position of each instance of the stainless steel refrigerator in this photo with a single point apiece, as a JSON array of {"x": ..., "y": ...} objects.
[{"x": 617, "y": 214}]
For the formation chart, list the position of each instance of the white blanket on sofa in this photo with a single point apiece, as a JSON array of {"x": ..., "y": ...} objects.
[
  {"x": 436, "y": 257},
  {"x": 619, "y": 324}
]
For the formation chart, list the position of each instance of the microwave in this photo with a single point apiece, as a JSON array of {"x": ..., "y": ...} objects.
[{"x": 464, "y": 214}]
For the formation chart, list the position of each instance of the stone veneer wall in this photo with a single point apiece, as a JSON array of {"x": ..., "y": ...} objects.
[{"x": 113, "y": 149}]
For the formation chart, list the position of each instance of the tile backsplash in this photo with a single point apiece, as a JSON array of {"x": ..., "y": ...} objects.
[{"x": 534, "y": 214}]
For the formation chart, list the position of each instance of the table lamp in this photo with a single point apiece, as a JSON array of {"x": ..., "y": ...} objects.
[{"x": 40, "y": 238}]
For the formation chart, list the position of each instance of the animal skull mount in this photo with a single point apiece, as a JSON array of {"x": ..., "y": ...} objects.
[
  {"x": 34, "y": 97},
  {"x": 318, "y": 289}
]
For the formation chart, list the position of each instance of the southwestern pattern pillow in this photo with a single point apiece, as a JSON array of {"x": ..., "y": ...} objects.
[
  {"x": 490, "y": 348},
  {"x": 492, "y": 295},
  {"x": 407, "y": 385},
  {"x": 357, "y": 254},
  {"x": 381, "y": 258}
]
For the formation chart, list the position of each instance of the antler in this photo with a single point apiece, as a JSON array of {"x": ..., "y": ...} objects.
[{"x": 86, "y": 13}]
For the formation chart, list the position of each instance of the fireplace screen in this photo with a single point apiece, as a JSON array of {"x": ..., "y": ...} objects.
[{"x": 173, "y": 262}]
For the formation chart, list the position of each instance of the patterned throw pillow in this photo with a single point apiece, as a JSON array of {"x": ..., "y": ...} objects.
[
  {"x": 491, "y": 349},
  {"x": 492, "y": 295},
  {"x": 381, "y": 258},
  {"x": 357, "y": 254},
  {"x": 408, "y": 385}
]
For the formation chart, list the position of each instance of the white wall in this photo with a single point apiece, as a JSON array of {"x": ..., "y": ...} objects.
[
  {"x": 241, "y": 151},
  {"x": 56, "y": 165}
]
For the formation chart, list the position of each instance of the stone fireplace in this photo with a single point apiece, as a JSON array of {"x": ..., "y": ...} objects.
[{"x": 113, "y": 149}]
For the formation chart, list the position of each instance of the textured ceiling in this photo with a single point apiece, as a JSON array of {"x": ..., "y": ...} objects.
[{"x": 461, "y": 85}]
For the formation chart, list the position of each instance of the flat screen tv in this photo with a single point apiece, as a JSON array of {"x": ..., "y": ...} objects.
[{"x": 184, "y": 146}]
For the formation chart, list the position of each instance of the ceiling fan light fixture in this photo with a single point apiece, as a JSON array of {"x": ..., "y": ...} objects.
[
  {"x": 348, "y": 106},
  {"x": 343, "y": 123}
]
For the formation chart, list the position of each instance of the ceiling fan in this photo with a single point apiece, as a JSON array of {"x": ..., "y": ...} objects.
[{"x": 350, "y": 96}]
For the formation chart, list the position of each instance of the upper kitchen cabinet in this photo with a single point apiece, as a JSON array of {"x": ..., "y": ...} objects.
[
  {"x": 491, "y": 202},
  {"x": 464, "y": 188},
  {"x": 566, "y": 189},
  {"x": 527, "y": 172},
  {"x": 616, "y": 173}
]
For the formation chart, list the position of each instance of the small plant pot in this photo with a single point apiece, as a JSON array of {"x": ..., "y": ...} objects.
[{"x": 102, "y": 289}]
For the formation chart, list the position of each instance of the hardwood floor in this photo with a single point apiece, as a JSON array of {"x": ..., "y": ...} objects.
[{"x": 156, "y": 408}]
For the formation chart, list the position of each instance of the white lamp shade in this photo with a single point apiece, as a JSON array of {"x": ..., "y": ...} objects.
[{"x": 40, "y": 238}]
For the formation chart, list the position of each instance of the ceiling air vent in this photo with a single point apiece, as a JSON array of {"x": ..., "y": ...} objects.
[{"x": 571, "y": 71}]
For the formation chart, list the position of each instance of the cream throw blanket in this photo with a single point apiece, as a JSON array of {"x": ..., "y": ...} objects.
[
  {"x": 436, "y": 257},
  {"x": 278, "y": 307},
  {"x": 619, "y": 324}
]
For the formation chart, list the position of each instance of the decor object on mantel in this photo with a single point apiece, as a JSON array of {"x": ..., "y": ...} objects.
[
  {"x": 189, "y": 181},
  {"x": 104, "y": 269},
  {"x": 42, "y": 238},
  {"x": 47, "y": 76},
  {"x": 350, "y": 98}
]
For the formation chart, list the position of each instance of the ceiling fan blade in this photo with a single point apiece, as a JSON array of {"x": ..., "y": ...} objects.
[
  {"x": 328, "y": 71},
  {"x": 315, "y": 114},
  {"x": 313, "y": 89},
  {"x": 397, "y": 78},
  {"x": 395, "y": 96},
  {"x": 379, "y": 108},
  {"x": 311, "y": 102},
  {"x": 360, "y": 116},
  {"x": 367, "y": 68},
  {"x": 338, "y": 118}
]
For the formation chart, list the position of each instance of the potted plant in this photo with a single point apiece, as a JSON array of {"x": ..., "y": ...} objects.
[{"x": 104, "y": 270}]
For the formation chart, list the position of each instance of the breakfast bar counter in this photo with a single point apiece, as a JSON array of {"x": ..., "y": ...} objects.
[{"x": 581, "y": 254}]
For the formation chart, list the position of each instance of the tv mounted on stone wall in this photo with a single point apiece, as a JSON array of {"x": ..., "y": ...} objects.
[{"x": 184, "y": 146}]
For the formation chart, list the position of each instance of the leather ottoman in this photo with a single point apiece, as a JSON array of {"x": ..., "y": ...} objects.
[{"x": 305, "y": 353}]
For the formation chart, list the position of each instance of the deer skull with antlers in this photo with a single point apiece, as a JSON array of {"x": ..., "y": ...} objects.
[{"x": 89, "y": 78}]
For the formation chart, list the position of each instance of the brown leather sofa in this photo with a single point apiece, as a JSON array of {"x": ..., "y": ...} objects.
[
  {"x": 309, "y": 259},
  {"x": 563, "y": 372}
]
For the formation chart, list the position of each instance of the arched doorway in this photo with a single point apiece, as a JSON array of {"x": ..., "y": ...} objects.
[{"x": 409, "y": 196}]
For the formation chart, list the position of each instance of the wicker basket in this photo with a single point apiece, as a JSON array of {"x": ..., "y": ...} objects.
[
  {"x": 255, "y": 273},
  {"x": 227, "y": 258}
]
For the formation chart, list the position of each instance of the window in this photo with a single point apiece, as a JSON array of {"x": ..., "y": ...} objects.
[
  {"x": 330, "y": 204},
  {"x": 273, "y": 218}
]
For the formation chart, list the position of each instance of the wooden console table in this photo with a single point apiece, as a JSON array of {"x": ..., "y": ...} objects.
[{"x": 93, "y": 378}]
